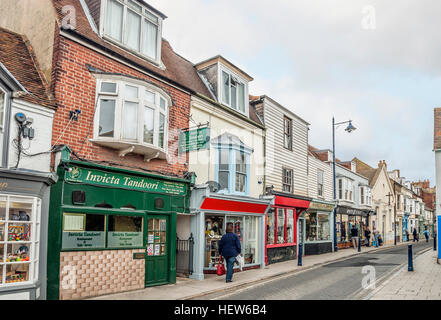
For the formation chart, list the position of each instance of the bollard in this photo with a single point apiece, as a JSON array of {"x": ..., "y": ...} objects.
[
  {"x": 434, "y": 242},
  {"x": 410, "y": 268},
  {"x": 300, "y": 255},
  {"x": 359, "y": 244}
]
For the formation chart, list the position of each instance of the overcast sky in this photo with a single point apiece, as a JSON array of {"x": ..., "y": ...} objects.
[{"x": 375, "y": 62}]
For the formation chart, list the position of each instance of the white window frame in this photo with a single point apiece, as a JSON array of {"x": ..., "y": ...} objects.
[
  {"x": 222, "y": 69},
  {"x": 2, "y": 120},
  {"x": 291, "y": 186},
  {"x": 34, "y": 250},
  {"x": 147, "y": 15},
  {"x": 142, "y": 86},
  {"x": 322, "y": 174}
]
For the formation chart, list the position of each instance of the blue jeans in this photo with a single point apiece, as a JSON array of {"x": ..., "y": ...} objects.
[{"x": 230, "y": 264}]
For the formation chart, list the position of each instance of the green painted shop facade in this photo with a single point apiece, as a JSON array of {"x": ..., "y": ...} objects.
[{"x": 100, "y": 209}]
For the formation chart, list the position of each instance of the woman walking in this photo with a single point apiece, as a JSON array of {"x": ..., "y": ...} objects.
[
  {"x": 229, "y": 248},
  {"x": 367, "y": 234}
]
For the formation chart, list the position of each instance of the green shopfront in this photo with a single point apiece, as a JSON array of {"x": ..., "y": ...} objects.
[{"x": 112, "y": 230}]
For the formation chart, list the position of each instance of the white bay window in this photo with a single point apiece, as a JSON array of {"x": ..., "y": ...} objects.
[
  {"x": 132, "y": 114},
  {"x": 133, "y": 26}
]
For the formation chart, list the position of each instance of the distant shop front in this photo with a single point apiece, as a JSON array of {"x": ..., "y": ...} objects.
[
  {"x": 346, "y": 218},
  {"x": 112, "y": 230}
]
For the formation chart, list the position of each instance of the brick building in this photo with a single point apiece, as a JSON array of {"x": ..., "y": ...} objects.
[{"x": 122, "y": 97}]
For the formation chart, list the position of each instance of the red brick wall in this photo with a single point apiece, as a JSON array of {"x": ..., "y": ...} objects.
[{"x": 74, "y": 88}]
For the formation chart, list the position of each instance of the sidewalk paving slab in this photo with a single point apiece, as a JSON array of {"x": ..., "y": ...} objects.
[
  {"x": 185, "y": 288},
  {"x": 421, "y": 284}
]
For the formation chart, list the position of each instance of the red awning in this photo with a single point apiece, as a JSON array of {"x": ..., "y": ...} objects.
[
  {"x": 291, "y": 202},
  {"x": 233, "y": 206}
]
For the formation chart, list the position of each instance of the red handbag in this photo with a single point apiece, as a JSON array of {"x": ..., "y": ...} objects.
[{"x": 220, "y": 267}]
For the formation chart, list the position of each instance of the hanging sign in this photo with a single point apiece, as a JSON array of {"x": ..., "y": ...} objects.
[
  {"x": 193, "y": 140},
  {"x": 108, "y": 179}
]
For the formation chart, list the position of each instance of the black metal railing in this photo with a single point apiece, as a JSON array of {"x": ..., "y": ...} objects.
[{"x": 184, "y": 256}]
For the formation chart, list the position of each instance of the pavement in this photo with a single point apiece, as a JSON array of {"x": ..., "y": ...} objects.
[
  {"x": 187, "y": 289},
  {"x": 424, "y": 283}
]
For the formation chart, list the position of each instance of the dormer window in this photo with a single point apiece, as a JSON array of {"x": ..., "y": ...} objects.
[
  {"x": 233, "y": 91},
  {"x": 133, "y": 26}
]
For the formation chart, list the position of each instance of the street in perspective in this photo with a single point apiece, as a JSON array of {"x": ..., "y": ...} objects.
[{"x": 239, "y": 152}]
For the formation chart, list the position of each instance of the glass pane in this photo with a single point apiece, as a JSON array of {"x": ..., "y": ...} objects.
[
  {"x": 151, "y": 237},
  {"x": 19, "y": 232},
  {"x": 161, "y": 130},
  {"x": 157, "y": 249},
  {"x": 280, "y": 226},
  {"x": 226, "y": 88},
  {"x": 223, "y": 180},
  {"x": 2, "y": 254},
  {"x": 108, "y": 87},
  {"x": 251, "y": 250},
  {"x": 2, "y": 231},
  {"x": 150, "y": 96},
  {"x": 241, "y": 97},
  {"x": 149, "y": 115},
  {"x": 130, "y": 120},
  {"x": 151, "y": 16},
  {"x": 17, "y": 252},
  {"x": 271, "y": 228},
  {"x": 150, "y": 224},
  {"x": 114, "y": 20},
  {"x": 3, "y": 208},
  {"x": 93, "y": 236},
  {"x": 163, "y": 225},
  {"x": 163, "y": 249},
  {"x": 131, "y": 92},
  {"x": 240, "y": 182},
  {"x": 2, "y": 107},
  {"x": 17, "y": 273},
  {"x": 134, "y": 6},
  {"x": 323, "y": 227},
  {"x": 290, "y": 226},
  {"x": 237, "y": 226},
  {"x": 233, "y": 96},
  {"x": 157, "y": 237},
  {"x": 1, "y": 273},
  {"x": 155, "y": 224},
  {"x": 162, "y": 103},
  {"x": 163, "y": 237},
  {"x": 224, "y": 159},
  {"x": 20, "y": 209},
  {"x": 311, "y": 226},
  {"x": 150, "y": 40},
  {"x": 107, "y": 118},
  {"x": 74, "y": 222},
  {"x": 124, "y": 231}
]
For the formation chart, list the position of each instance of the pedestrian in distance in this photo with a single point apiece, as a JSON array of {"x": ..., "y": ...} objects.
[
  {"x": 229, "y": 248},
  {"x": 367, "y": 234},
  {"x": 376, "y": 234},
  {"x": 426, "y": 234},
  {"x": 415, "y": 235},
  {"x": 354, "y": 234}
]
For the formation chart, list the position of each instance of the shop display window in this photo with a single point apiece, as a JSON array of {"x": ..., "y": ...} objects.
[
  {"x": 19, "y": 235},
  {"x": 318, "y": 226},
  {"x": 156, "y": 237},
  {"x": 271, "y": 228},
  {"x": 83, "y": 231},
  {"x": 125, "y": 232},
  {"x": 280, "y": 224},
  {"x": 247, "y": 229}
]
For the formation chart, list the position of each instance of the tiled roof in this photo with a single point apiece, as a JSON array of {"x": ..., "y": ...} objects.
[
  {"x": 17, "y": 55},
  {"x": 177, "y": 69},
  {"x": 367, "y": 171}
]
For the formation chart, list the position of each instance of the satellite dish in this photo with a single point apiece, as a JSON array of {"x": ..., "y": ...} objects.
[{"x": 214, "y": 186}]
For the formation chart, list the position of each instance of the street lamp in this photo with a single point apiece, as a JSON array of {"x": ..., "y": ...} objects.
[{"x": 349, "y": 129}]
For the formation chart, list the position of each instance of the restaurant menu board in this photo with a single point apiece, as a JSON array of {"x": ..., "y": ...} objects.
[
  {"x": 83, "y": 240},
  {"x": 124, "y": 239}
]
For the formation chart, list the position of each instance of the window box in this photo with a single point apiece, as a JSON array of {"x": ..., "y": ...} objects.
[{"x": 132, "y": 116}]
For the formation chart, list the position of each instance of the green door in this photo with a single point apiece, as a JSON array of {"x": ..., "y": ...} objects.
[{"x": 157, "y": 250}]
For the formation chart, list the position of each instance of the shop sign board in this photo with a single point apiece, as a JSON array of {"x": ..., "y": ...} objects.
[
  {"x": 116, "y": 180},
  {"x": 193, "y": 140},
  {"x": 321, "y": 206},
  {"x": 83, "y": 240},
  {"x": 124, "y": 239}
]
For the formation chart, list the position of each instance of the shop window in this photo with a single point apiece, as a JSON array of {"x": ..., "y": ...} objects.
[
  {"x": 157, "y": 237},
  {"x": 214, "y": 229},
  {"x": 83, "y": 231},
  {"x": 251, "y": 244},
  {"x": 271, "y": 228},
  {"x": 280, "y": 226},
  {"x": 125, "y": 232},
  {"x": 19, "y": 239},
  {"x": 318, "y": 227}
]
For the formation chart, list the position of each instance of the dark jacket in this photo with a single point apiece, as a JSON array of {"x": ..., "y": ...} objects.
[
  {"x": 229, "y": 245},
  {"x": 367, "y": 233},
  {"x": 354, "y": 232}
]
